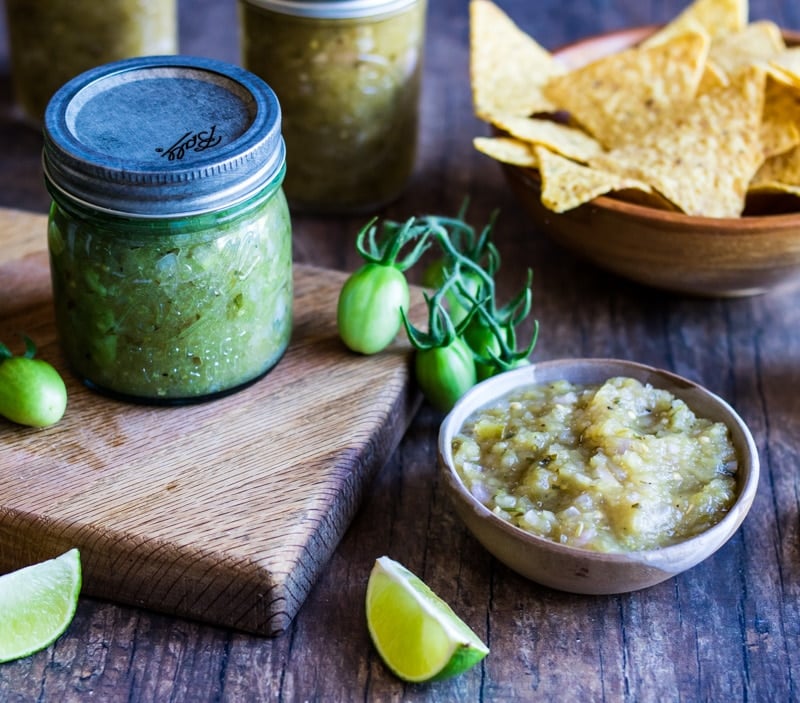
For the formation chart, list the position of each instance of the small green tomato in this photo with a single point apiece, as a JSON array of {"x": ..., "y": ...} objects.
[
  {"x": 368, "y": 310},
  {"x": 483, "y": 341},
  {"x": 434, "y": 277},
  {"x": 31, "y": 392},
  {"x": 445, "y": 373}
]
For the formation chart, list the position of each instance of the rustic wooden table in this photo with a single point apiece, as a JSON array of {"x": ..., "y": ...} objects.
[{"x": 729, "y": 629}]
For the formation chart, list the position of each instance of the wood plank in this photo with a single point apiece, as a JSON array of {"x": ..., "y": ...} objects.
[{"x": 224, "y": 511}]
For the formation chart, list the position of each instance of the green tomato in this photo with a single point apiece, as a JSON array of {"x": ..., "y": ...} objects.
[
  {"x": 434, "y": 277},
  {"x": 445, "y": 373},
  {"x": 368, "y": 311},
  {"x": 31, "y": 392},
  {"x": 483, "y": 342}
]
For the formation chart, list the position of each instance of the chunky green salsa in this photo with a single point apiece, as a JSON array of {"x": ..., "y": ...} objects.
[
  {"x": 173, "y": 310},
  {"x": 615, "y": 467},
  {"x": 349, "y": 91}
]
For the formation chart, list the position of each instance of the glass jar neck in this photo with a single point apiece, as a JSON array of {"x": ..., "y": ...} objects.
[{"x": 87, "y": 212}]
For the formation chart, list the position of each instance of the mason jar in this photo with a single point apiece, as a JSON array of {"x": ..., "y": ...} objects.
[
  {"x": 51, "y": 41},
  {"x": 169, "y": 233},
  {"x": 347, "y": 74}
]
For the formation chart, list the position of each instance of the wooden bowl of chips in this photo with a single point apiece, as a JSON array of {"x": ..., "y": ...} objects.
[
  {"x": 704, "y": 199},
  {"x": 666, "y": 248}
]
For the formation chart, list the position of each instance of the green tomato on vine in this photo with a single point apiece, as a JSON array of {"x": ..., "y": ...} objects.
[{"x": 374, "y": 297}]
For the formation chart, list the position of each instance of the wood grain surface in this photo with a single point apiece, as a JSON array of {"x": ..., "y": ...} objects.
[
  {"x": 727, "y": 630},
  {"x": 224, "y": 511}
]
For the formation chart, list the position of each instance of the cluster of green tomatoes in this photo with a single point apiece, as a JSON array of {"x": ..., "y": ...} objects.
[{"x": 469, "y": 336}]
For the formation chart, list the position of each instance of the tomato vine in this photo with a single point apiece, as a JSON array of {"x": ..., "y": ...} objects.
[{"x": 469, "y": 335}]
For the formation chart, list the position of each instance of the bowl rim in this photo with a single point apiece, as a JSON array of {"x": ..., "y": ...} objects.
[
  {"x": 671, "y": 558},
  {"x": 643, "y": 212}
]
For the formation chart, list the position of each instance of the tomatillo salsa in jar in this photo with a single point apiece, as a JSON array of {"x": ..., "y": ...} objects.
[
  {"x": 169, "y": 233},
  {"x": 347, "y": 74}
]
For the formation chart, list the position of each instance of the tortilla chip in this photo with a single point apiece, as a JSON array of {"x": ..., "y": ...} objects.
[
  {"x": 567, "y": 141},
  {"x": 699, "y": 115},
  {"x": 781, "y": 172},
  {"x": 507, "y": 67},
  {"x": 717, "y": 17},
  {"x": 567, "y": 184},
  {"x": 759, "y": 42},
  {"x": 713, "y": 79},
  {"x": 507, "y": 150},
  {"x": 786, "y": 66},
  {"x": 628, "y": 93},
  {"x": 780, "y": 123},
  {"x": 703, "y": 158},
  {"x": 774, "y": 187}
]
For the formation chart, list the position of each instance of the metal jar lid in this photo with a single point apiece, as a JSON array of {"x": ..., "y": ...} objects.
[
  {"x": 163, "y": 136},
  {"x": 334, "y": 9}
]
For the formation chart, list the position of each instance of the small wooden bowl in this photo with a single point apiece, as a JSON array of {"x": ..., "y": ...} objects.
[
  {"x": 703, "y": 256},
  {"x": 578, "y": 570}
]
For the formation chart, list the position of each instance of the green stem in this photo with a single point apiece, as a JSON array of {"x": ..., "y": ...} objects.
[
  {"x": 395, "y": 236},
  {"x": 441, "y": 330},
  {"x": 30, "y": 349}
]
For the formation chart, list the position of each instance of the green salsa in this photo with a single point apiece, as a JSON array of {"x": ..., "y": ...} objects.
[
  {"x": 173, "y": 309},
  {"x": 349, "y": 90},
  {"x": 55, "y": 40},
  {"x": 615, "y": 467}
]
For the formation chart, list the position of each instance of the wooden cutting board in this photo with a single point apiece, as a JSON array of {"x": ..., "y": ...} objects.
[{"x": 224, "y": 511}]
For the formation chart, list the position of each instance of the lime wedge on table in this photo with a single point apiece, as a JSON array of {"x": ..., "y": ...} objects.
[
  {"x": 37, "y": 603},
  {"x": 416, "y": 633}
]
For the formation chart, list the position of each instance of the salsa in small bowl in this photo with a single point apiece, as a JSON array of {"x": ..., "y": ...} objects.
[{"x": 597, "y": 476}]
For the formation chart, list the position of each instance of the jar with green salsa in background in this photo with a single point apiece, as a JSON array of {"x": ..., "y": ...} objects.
[
  {"x": 169, "y": 233},
  {"x": 52, "y": 41},
  {"x": 347, "y": 74}
]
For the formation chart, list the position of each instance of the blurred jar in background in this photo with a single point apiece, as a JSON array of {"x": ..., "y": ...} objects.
[
  {"x": 347, "y": 74},
  {"x": 52, "y": 41}
]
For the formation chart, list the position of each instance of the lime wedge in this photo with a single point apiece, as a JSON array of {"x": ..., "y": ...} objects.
[
  {"x": 37, "y": 603},
  {"x": 416, "y": 633}
]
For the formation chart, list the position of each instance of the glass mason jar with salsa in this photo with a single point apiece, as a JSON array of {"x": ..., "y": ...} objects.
[
  {"x": 169, "y": 233},
  {"x": 52, "y": 41},
  {"x": 347, "y": 74}
]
